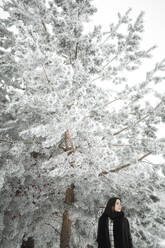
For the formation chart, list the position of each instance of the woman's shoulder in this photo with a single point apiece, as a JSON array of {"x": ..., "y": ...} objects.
[
  {"x": 125, "y": 220},
  {"x": 102, "y": 217}
]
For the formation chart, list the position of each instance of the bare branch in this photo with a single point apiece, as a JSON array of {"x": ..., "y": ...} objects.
[
  {"x": 120, "y": 131},
  {"x": 67, "y": 140},
  {"x": 111, "y": 102},
  {"x": 123, "y": 166},
  {"x": 70, "y": 57},
  {"x": 76, "y": 51},
  {"x": 120, "y": 145},
  {"x": 49, "y": 82},
  {"x": 24, "y": 142},
  {"x": 46, "y": 74},
  {"x": 8, "y": 141},
  {"x": 103, "y": 173},
  {"x": 141, "y": 119},
  {"x": 120, "y": 168},
  {"x": 144, "y": 156},
  {"x": 44, "y": 25},
  {"x": 53, "y": 228}
]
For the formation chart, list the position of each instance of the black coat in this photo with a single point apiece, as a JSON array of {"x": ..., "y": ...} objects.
[{"x": 103, "y": 233}]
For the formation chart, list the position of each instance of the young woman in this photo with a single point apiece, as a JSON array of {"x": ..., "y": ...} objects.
[{"x": 113, "y": 227}]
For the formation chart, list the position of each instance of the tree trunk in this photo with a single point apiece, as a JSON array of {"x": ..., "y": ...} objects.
[
  {"x": 69, "y": 196},
  {"x": 65, "y": 231},
  {"x": 66, "y": 224}
]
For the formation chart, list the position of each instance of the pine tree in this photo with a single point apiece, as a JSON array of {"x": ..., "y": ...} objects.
[{"x": 59, "y": 129}]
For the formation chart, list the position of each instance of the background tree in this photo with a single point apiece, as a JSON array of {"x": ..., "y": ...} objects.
[{"x": 59, "y": 128}]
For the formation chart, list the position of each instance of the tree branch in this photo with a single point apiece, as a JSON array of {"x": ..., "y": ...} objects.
[
  {"x": 144, "y": 156},
  {"x": 123, "y": 166},
  {"x": 8, "y": 141},
  {"x": 120, "y": 131},
  {"x": 49, "y": 82},
  {"x": 76, "y": 51},
  {"x": 105, "y": 67},
  {"x": 70, "y": 57},
  {"x": 46, "y": 74},
  {"x": 120, "y": 145},
  {"x": 67, "y": 140},
  {"x": 120, "y": 168},
  {"x": 44, "y": 25},
  {"x": 126, "y": 128},
  {"x": 24, "y": 142},
  {"x": 111, "y": 102},
  {"x": 52, "y": 227}
]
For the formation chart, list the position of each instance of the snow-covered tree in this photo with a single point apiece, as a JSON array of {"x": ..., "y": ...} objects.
[{"x": 65, "y": 149}]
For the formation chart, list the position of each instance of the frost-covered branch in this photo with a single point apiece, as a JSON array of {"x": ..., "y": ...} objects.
[
  {"x": 124, "y": 166},
  {"x": 137, "y": 122}
]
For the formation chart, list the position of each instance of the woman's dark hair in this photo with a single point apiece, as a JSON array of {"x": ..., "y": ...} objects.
[{"x": 110, "y": 205}]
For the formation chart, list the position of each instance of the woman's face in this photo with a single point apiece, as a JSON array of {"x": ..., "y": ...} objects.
[{"x": 118, "y": 205}]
